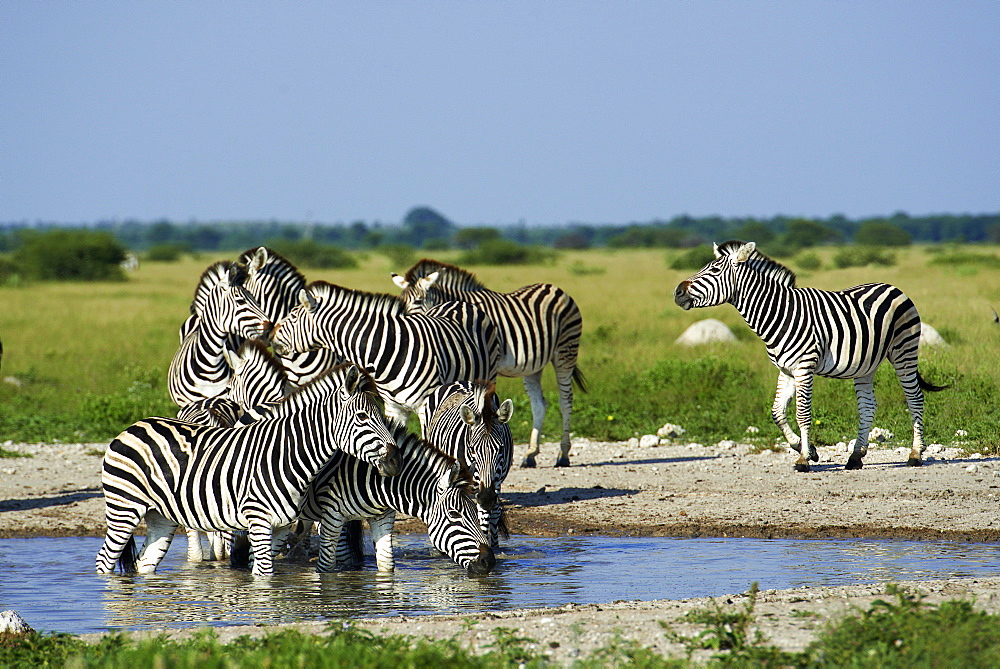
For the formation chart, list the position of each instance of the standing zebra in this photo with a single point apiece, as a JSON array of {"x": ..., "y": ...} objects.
[
  {"x": 539, "y": 324},
  {"x": 467, "y": 421},
  {"x": 844, "y": 334},
  {"x": 258, "y": 381},
  {"x": 408, "y": 355},
  {"x": 224, "y": 479},
  {"x": 431, "y": 486},
  {"x": 218, "y": 323}
]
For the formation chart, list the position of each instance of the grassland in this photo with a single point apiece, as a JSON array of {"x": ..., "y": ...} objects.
[{"x": 89, "y": 358}]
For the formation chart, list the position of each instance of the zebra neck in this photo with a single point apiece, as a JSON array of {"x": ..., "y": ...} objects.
[
  {"x": 414, "y": 490},
  {"x": 764, "y": 304}
]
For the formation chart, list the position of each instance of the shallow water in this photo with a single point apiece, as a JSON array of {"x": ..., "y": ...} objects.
[{"x": 51, "y": 583}]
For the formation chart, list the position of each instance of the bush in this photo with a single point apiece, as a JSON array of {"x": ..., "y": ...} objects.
[
  {"x": 967, "y": 258},
  {"x": 505, "y": 252},
  {"x": 862, "y": 256},
  {"x": 104, "y": 416},
  {"x": 809, "y": 261},
  {"x": 881, "y": 233},
  {"x": 400, "y": 255},
  {"x": 310, "y": 253},
  {"x": 695, "y": 258},
  {"x": 71, "y": 255}
]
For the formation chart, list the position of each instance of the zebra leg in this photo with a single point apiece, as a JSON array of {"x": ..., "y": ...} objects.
[
  {"x": 261, "y": 534},
  {"x": 865, "y": 392},
  {"x": 906, "y": 370},
  {"x": 564, "y": 378},
  {"x": 779, "y": 409},
  {"x": 218, "y": 545},
  {"x": 803, "y": 414},
  {"x": 194, "y": 548},
  {"x": 533, "y": 386},
  {"x": 121, "y": 526},
  {"x": 330, "y": 529},
  {"x": 381, "y": 528},
  {"x": 159, "y": 533},
  {"x": 350, "y": 548}
]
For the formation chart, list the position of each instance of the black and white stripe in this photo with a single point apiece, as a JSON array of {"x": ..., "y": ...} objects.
[
  {"x": 844, "y": 334},
  {"x": 408, "y": 355},
  {"x": 538, "y": 324},
  {"x": 171, "y": 472},
  {"x": 467, "y": 421},
  {"x": 431, "y": 486}
]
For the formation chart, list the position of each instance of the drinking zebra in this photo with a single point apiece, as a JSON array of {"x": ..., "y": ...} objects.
[
  {"x": 844, "y": 334},
  {"x": 539, "y": 324},
  {"x": 467, "y": 421},
  {"x": 250, "y": 477},
  {"x": 408, "y": 355},
  {"x": 431, "y": 486},
  {"x": 218, "y": 323}
]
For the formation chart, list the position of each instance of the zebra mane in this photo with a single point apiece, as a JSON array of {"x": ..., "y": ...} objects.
[
  {"x": 451, "y": 276},
  {"x": 762, "y": 264},
  {"x": 481, "y": 389},
  {"x": 282, "y": 266},
  {"x": 213, "y": 275},
  {"x": 382, "y": 303},
  {"x": 322, "y": 387},
  {"x": 261, "y": 350},
  {"x": 412, "y": 446}
]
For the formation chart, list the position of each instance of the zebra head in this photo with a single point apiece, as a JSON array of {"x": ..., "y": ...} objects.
[
  {"x": 258, "y": 375},
  {"x": 490, "y": 446},
  {"x": 715, "y": 282},
  {"x": 223, "y": 302},
  {"x": 417, "y": 295},
  {"x": 453, "y": 523},
  {"x": 359, "y": 427},
  {"x": 298, "y": 331}
]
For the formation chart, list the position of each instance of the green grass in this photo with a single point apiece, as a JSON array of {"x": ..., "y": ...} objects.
[{"x": 92, "y": 357}]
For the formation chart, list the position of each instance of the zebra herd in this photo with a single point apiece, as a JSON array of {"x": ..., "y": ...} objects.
[
  {"x": 310, "y": 427},
  {"x": 296, "y": 430}
]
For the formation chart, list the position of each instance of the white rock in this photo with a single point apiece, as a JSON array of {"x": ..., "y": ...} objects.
[
  {"x": 633, "y": 442},
  {"x": 752, "y": 429},
  {"x": 878, "y": 434},
  {"x": 972, "y": 469},
  {"x": 934, "y": 448},
  {"x": 670, "y": 431},
  {"x": 961, "y": 433},
  {"x": 930, "y": 337},
  {"x": 649, "y": 441},
  {"x": 12, "y": 623},
  {"x": 708, "y": 331}
]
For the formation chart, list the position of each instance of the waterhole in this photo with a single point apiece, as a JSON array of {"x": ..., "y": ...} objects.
[{"x": 51, "y": 582}]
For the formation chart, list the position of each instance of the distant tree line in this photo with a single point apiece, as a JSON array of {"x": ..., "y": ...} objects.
[{"x": 424, "y": 229}]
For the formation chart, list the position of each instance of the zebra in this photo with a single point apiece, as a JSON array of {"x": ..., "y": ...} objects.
[
  {"x": 217, "y": 323},
  {"x": 539, "y": 324},
  {"x": 467, "y": 421},
  {"x": 408, "y": 355},
  {"x": 431, "y": 486},
  {"x": 172, "y": 472},
  {"x": 844, "y": 334},
  {"x": 275, "y": 283},
  {"x": 258, "y": 381}
]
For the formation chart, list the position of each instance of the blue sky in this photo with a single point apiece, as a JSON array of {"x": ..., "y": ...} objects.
[{"x": 497, "y": 112}]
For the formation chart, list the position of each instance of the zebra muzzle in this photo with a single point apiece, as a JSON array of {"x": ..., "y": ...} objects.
[
  {"x": 487, "y": 498},
  {"x": 484, "y": 563},
  {"x": 389, "y": 464},
  {"x": 681, "y": 296}
]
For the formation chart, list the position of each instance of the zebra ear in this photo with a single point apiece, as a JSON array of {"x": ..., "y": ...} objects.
[
  {"x": 307, "y": 300},
  {"x": 351, "y": 379},
  {"x": 715, "y": 250},
  {"x": 231, "y": 358},
  {"x": 427, "y": 281},
  {"x": 506, "y": 410},
  {"x": 400, "y": 281},
  {"x": 259, "y": 260},
  {"x": 745, "y": 252},
  {"x": 451, "y": 478},
  {"x": 468, "y": 415}
]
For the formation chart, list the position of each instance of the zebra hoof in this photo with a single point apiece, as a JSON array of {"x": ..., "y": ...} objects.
[
  {"x": 563, "y": 461},
  {"x": 854, "y": 463},
  {"x": 813, "y": 454},
  {"x": 802, "y": 467},
  {"x": 914, "y": 462},
  {"x": 528, "y": 462}
]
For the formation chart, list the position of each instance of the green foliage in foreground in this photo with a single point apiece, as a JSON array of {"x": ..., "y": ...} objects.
[{"x": 901, "y": 633}]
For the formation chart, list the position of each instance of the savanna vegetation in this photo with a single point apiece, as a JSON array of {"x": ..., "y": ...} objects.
[
  {"x": 82, "y": 360},
  {"x": 898, "y": 631}
]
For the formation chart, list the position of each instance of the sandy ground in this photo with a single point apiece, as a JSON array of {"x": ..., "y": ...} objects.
[{"x": 624, "y": 489}]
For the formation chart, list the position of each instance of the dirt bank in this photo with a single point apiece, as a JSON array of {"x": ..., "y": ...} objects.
[{"x": 623, "y": 489}]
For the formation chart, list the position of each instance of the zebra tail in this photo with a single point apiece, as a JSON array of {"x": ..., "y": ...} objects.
[
  {"x": 503, "y": 529},
  {"x": 128, "y": 558},
  {"x": 924, "y": 385},
  {"x": 579, "y": 379}
]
